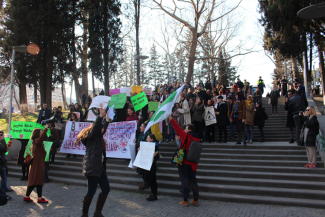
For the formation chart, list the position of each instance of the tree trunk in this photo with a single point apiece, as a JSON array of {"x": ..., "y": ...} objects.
[
  {"x": 192, "y": 56},
  {"x": 23, "y": 97},
  {"x": 71, "y": 92},
  {"x": 84, "y": 56},
  {"x": 35, "y": 95},
  {"x": 105, "y": 52},
  {"x": 322, "y": 71},
  {"x": 64, "y": 98},
  {"x": 294, "y": 67},
  {"x": 137, "y": 26}
]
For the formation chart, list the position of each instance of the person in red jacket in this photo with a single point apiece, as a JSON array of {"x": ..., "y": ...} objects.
[{"x": 187, "y": 171}]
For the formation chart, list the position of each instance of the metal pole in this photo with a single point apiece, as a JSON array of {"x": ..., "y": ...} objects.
[
  {"x": 314, "y": 75},
  {"x": 11, "y": 88},
  {"x": 305, "y": 73}
]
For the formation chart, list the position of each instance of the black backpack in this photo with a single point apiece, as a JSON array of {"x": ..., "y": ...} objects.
[{"x": 194, "y": 152}]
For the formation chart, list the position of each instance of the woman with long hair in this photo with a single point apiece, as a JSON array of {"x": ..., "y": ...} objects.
[
  {"x": 132, "y": 116},
  {"x": 36, "y": 168},
  {"x": 309, "y": 132},
  {"x": 198, "y": 110},
  {"x": 94, "y": 164}
]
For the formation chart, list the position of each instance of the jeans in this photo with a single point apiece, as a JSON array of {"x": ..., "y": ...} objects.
[
  {"x": 249, "y": 131},
  {"x": 275, "y": 107},
  {"x": 188, "y": 177},
  {"x": 93, "y": 181},
  {"x": 261, "y": 131},
  {"x": 232, "y": 127},
  {"x": 3, "y": 175},
  {"x": 172, "y": 132}
]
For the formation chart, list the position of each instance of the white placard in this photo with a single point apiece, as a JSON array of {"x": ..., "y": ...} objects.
[
  {"x": 132, "y": 151},
  {"x": 104, "y": 100},
  {"x": 91, "y": 116},
  {"x": 144, "y": 157},
  {"x": 147, "y": 90},
  {"x": 127, "y": 90},
  {"x": 209, "y": 116},
  {"x": 118, "y": 137}
]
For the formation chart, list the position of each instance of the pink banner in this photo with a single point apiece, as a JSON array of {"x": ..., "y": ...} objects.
[{"x": 114, "y": 91}]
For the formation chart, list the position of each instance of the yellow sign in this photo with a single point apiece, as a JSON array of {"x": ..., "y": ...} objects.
[{"x": 136, "y": 89}]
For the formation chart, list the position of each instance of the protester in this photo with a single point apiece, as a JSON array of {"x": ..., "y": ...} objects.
[
  {"x": 59, "y": 115},
  {"x": 290, "y": 121},
  {"x": 284, "y": 83},
  {"x": 3, "y": 196},
  {"x": 316, "y": 90},
  {"x": 20, "y": 160},
  {"x": 78, "y": 108},
  {"x": 132, "y": 116},
  {"x": 210, "y": 129},
  {"x": 249, "y": 120},
  {"x": 85, "y": 112},
  {"x": 190, "y": 94},
  {"x": 83, "y": 99},
  {"x": 274, "y": 96},
  {"x": 259, "y": 119},
  {"x": 184, "y": 111},
  {"x": 94, "y": 163},
  {"x": 308, "y": 135},
  {"x": 44, "y": 114},
  {"x": 257, "y": 96},
  {"x": 187, "y": 171},
  {"x": 222, "y": 119},
  {"x": 89, "y": 99},
  {"x": 238, "y": 114},
  {"x": 102, "y": 93},
  {"x": 231, "y": 123},
  {"x": 240, "y": 94},
  {"x": 197, "y": 117},
  {"x": 232, "y": 93},
  {"x": 3, "y": 163},
  {"x": 240, "y": 84},
  {"x": 36, "y": 169},
  {"x": 175, "y": 115},
  {"x": 278, "y": 83},
  {"x": 54, "y": 137},
  {"x": 192, "y": 104},
  {"x": 74, "y": 119},
  {"x": 235, "y": 87},
  {"x": 261, "y": 85},
  {"x": 208, "y": 85},
  {"x": 302, "y": 89},
  {"x": 248, "y": 90}
]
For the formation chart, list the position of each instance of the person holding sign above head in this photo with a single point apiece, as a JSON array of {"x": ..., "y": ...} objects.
[
  {"x": 94, "y": 163},
  {"x": 187, "y": 171},
  {"x": 151, "y": 175},
  {"x": 36, "y": 168}
]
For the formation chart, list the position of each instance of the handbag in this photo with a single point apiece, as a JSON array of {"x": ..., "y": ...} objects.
[
  {"x": 179, "y": 154},
  {"x": 28, "y": 159}
]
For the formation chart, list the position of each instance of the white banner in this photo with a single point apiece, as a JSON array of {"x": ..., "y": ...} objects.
[
  {"x": 127, "y": 90},
  {"x": 145, "y": 155},
  {"x": 118, "y": 137},
  {"x": 209, "y": 116},
  {"x": 104, "y": 100}
]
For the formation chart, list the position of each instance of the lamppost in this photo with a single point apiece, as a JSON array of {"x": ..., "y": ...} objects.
[
  {"x": 137, "y": 57},
  {"x": 32, "y": 49}
]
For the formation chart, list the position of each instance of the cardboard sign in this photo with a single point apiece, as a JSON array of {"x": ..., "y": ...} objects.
[
  {"x": 118, "y": 137},
  {"x": 209, "y": 116},
  {"x": 104, "y": 100},
  {"x": 148, "y": 91},
  {"x": 114, "y": 91},
  {"x": 144, "y": 157},
  {"x": 118, "y": 101},
  {"x": 136, "y": 89},
  {"x": 47, "y": 146},
  {"x": 126, "y": 90},
  {"x": 91, "y": 116},
  {"x": 23, "y": 130},
  {"x": 139, "y": 101},
  {"x": 153, "y": 106}
]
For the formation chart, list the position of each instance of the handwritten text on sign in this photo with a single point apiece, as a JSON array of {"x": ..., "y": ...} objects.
[{"x": 117, "y": 138}]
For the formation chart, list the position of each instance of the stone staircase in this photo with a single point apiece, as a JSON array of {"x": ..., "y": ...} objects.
[
  {"x": 275, "y": 126},
  {"x": 267, "y": 173}
]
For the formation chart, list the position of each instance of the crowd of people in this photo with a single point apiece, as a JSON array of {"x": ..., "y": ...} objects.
[{"x": 239, "y": 107}]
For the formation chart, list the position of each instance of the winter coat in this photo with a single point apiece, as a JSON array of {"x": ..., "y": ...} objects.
[
  {"x": 257, "y": 98},
  {"x": 184, "y": 114},
  {"x": 191, "y": 137},
  {"x": 248, "y": 90},
  {"x": 20, "y": 159},
  {"x": 36, "y": 168},
  {"x": 47, "y": 115},
  {"x": 198, "y": 110},
  {"x": 259, "y": 117},
  {"x": 92, "y": 161},
  {"x": 222, "y": 119},
  {"x": 249, "y": 120},
  {"x": 133, "y": 117},
  {"x": 121, "y": 113},
  {"x": 208, "y": 86},
  {"x": 274, "y": 96},
  {"x": 312, "y": 125},
  {"x": 241, "y": 110},
  {"x": 296, "y": 104},
  {"x": 290, "y": 122},
  {"x": 3, "y": 148}
]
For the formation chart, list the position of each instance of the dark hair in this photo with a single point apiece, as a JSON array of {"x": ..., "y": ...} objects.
[
  {"x": 299, "y": 92},
  {"x": 144, "y": 124},
  {"x": 259, "y": 104},
  {"x": 59, "y": 107},
  {"x": 36, "y": 134},
  {"x": 191, "y": 127},
  {"x": 132, "y": 109},
  {"x": 220, "y": 97},
  {"x": 152, "y": 136},
  {"x": 229, "y": 97},
  {"x": 1, "y": 132}
]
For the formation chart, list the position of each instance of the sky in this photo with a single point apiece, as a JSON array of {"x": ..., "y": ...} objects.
[{"x": 250, "y": 66}]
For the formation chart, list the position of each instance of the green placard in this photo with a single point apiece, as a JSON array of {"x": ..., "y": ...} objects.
[
  {"x": 23, "y": 130},
  {"x": 153, "y": 106},
  {"x": 118, "y": 100},
  {"x": 47, "y": 146},
  {"x": 139, "y": 101}
]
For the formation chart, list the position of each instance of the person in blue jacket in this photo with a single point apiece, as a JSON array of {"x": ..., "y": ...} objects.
[{"x": 44, "y": 113}]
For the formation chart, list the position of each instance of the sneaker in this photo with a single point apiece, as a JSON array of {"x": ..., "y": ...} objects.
[
  {"x": 195, "y": 203},
  {"x": 251, "y": 142},
  {"x": 27, "y": 199},
  {"x": 312, "y": 166},
  {"x": 307, "y": 165},
  {"x": 183, "y": 203},
  {"x": 42, "y": 200}
]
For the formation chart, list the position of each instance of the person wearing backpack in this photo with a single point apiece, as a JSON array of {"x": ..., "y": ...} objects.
[
  {"x": 259, "y": 119},
  {"x": 187, "y": 171}
]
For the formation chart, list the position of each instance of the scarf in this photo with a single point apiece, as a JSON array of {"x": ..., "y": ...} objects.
[{"x": 249, "y": 102}]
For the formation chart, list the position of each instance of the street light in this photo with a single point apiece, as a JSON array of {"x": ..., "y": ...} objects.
[
  {"x": 312, "y": 12},
  {"x": 32, "y": 49},
  {"x": 137, "y": 57}
]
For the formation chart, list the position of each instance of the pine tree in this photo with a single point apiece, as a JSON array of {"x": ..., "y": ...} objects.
[{"x": 155, "y": 76}]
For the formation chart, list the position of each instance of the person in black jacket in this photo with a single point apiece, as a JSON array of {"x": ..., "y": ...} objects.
[
  {"x": 208, "y": 85},
  {"x": 259, "y": 119},
  {"x": 44, "y": 114},
  {"x": 274, "y": 96},
  {"x": 20, "y": 160},
  {"x": 222, "y": 119},
  {"x": 290, "y": 121},
  {"x": 94, "y": 163},
  {"x": 308, "y": 135},
  {"x": 83, "y": 99}
]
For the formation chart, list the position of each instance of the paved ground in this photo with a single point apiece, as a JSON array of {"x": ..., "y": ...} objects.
[{"x": 66, "y": 200}]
